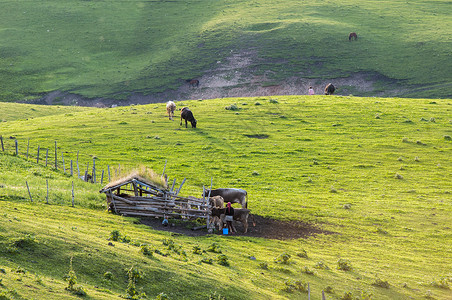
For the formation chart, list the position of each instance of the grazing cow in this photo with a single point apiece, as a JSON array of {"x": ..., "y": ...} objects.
[
  {"x": 193, "y": 82},
  {"x": 187, "y": 115},
  {"x": 216, "y": 201},
  {"x": 352, "y": 36},
  {"x": 230, "y": 195},
  {"x": 240, "y": 214},
  {"x": 329, "y": 89},
  {"x": 170, "y": 108}
]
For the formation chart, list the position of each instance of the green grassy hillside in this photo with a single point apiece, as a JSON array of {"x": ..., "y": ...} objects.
[
  {"x": 115, "y": 49},
  {"x": 373, "y": 171}
]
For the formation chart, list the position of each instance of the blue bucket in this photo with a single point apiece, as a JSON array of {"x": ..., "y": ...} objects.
[{"x": 225, "y": 231}]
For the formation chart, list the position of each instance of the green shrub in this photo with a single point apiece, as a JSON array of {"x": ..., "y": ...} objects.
[
  {"x": 308, "y": 271},
  {"x": 344, "y": 264},
  {"x": 214, "y": 247},
  {"x": 223, "y": 260},
  {"x": 146, "y": 250},
  {"x": 283, "y": 258},
  {"x": 347, "y": 296},
  {"x": 291, "y": 286},
  {"x": 381, "y": 283},
  {"x": 108, "y": 275},
  {"x": 302, "y": 253},
  {"x": 197, "y": 250},
  {"x": 274, "y": 101},
  {"x": 115, "y": 235},
  {"x": 232, "y": 107},
  {"x": 263, "y": 265},
  {"x": 321, "y": 265}
]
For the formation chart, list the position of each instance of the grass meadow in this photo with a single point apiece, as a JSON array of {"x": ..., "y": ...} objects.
[
  {"x": 375, "y": 172},
  {"x": 115, "y": 48}
]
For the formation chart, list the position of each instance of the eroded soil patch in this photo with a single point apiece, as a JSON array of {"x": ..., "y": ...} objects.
[{"x": 265, "y": 228}]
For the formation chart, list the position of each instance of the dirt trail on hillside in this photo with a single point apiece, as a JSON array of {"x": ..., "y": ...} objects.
[{"x": 234, "y": 77}]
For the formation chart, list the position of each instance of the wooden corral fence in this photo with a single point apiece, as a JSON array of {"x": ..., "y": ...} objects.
[{"x": 136, "y": 196}]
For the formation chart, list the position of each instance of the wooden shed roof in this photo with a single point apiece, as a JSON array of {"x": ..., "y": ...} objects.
[{"x": 133, "y": 178}]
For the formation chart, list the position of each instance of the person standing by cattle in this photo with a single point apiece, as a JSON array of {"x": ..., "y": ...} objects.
[
  {"x": 311, "y": 91},
  {"x": 229, "y": 217}
]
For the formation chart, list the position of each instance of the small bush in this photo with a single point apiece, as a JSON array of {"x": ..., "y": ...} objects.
[
  {"x": 283, "y": 258},
  {"x": 263, "y": 265},
  {"x": 232, "y": 107},
  {"x": 26, "y": 242},
  {"x": 347, "y": 296},
  {"x": 308, "y": 271},
  {"x": 344, "y": 264},
  {"x": 302, "y": 253},
  {"x": 398, "y": 176},
  {"x": 223, "y": 260},
  {"x": 108, "y": 275},
  {"x": 381, "y": 283},
  {"x": 328, "y": 289},
  {"x": 197, "y": 250},
  {"x": 257, "y": 103},
  {"x": 274, "y": 101},
  {"x": 448, "y": 138},
  {"x": 146, "y": 250},
  {"x": 115, "y": 235},
  {"x": 321, "y": 265},
  {"x": 347, "y": 206},
  {"x": 291, "y": 286},
  {"x": 206, "y": 260},
  {"x": 214, "y": 247}
]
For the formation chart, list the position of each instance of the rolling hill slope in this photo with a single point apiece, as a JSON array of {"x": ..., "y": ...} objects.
[
  {"x": 142, "y": 51},
  {"x": 374, "y": 172}
]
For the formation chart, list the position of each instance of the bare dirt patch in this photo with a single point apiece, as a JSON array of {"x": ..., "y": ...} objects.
[
  {"x": 234, "y": 77},
  {"x": 265, "y": 228}
]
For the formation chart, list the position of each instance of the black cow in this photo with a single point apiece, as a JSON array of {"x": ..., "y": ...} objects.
[
  {"x": 329, "y": 89},
  {"x": 187, "y": 115},
  {"x": 230, "y": 195}
]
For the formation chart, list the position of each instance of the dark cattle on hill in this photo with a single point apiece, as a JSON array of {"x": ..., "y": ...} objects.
[
  {"x": 230, "y": 195},
  {"x": 187, "y": 115},
  {"x": 329, "y": 89},
  {"x": 352, "y": 36},
  {"x": 193, "y": 82}
]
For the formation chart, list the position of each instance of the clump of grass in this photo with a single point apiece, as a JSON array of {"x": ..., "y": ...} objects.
[
  {"x": 223, "y": 260},
  {"x": 257, "y": 103},
  {"x": 134, "y": 274},
  {"x": 321, "y": 265},
  {"x": 344, "y": 264},
  {"x": 307, "y": 270},
  {"x": 405, "y": 140},
  {"x": 115, "y": 235},
  {"x": 416, "y": 158},
  {"x": 291, "y": 286},
  {"x": 328, "y": 289},
  {"x": 377, "y": 116},
  {"x": 274, "y": 101},
  {"x": 255, "y": 173},
  {"x": 27, "y": 242},
  {"x": 347, "y": 206},
  {"x": 144, "y": 248},
  {"x": 214, "y": 247},
  {"x": 302, "y": 253},
  {"x": 263, "y": 265},
  {"x": 232, "y": 107},
  {"x": 283, "y": 258},
  {"x": 143, "y": 173},
  {"x": 108, "y": 275},
  {"x": 420, "y": 143},
  {"x": 400, "y": 158},
  {"x": 197, "y": 250},
  {"x": 448, "y": 138},
  {"x": 347, "y": 296},
  {"x": 423, "y": 119},
  {"x": 381, "y": 231},
  {"x": 206, "y": 260},
  {"x": 333, "y": 190},
  {"x": 381, "y": 283},
  {"x": 398, "y": 176},
  {"x": 442, "y": 283}
]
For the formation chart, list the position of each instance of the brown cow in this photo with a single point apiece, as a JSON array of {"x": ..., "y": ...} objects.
[{"x": 352, "y": 36}]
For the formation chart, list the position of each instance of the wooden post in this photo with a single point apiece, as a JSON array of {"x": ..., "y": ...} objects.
[
  {"x": 56, "y": 157},
  {"x": 28, "y": 188},
  {"x": 37, "y": 157},
  {"x": 309, "y": 292},
  {"x": 323, "y": 295},
  {"x": 62, "y": 158},
  {"x": 47, "y": 155},
  {"x": 72, "y": 193},
  {"x": 47, "y": 197},
  {"x": 119, "y": 169},
  {"x": 72, "y": 169},
  {"x": 1, "y": 139},
  {"x": 86, "y": 176},
  {"x": 102, "y": 178},
  {"x": 174, "y": 183},
  {"x": 17, "y": 147},
  {"x": 109, "y": 175},
  {"x": 183, "y": 181},
  {"x": 28, "y": 147},
  {"x": 163, "y": 173},
  {"x": 87, "y": 167},
  {"x": 78, "y": 168},
  {"x": 94, "y": 170}
]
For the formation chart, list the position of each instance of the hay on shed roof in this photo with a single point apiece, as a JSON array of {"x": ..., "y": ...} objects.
[{"x": 143, "y": 174}]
